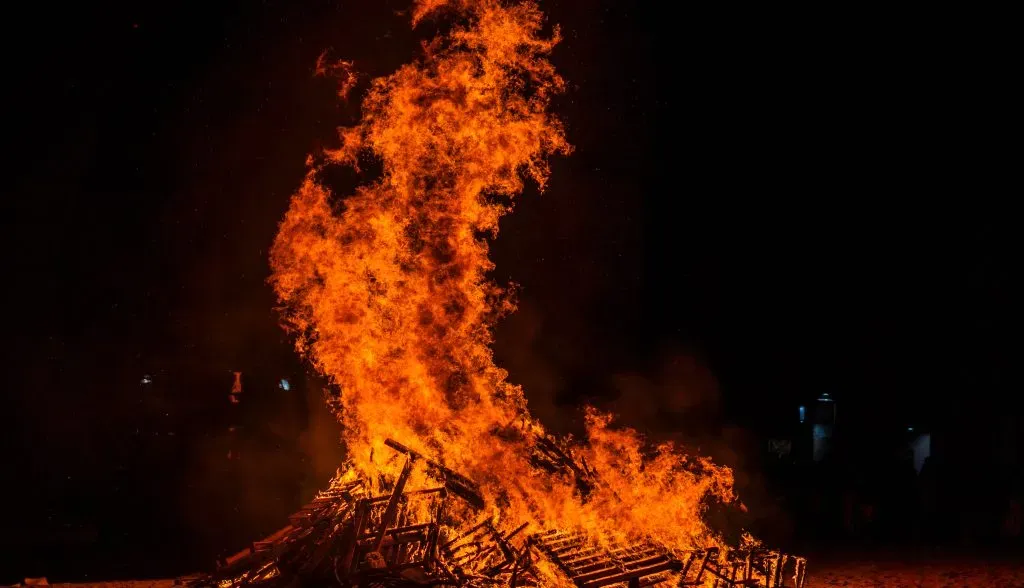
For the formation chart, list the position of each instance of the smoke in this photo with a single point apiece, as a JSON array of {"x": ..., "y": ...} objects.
[
  {"x": 680, "y": 399},
  {"x": 680, "y": 396},
  {"x": 520, "y": 349},
  {"x": 256, "y": 461},
  {"x": 320, "y": 441}
]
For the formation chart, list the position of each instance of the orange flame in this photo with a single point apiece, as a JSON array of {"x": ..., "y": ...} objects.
[{"x": 389, "y": 296}]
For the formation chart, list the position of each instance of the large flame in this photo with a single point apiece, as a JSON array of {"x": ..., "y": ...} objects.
[{"x": 389, "y": 296}]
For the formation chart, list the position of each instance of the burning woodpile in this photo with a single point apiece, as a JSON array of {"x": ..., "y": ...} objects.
[
  {"x": 451, "y": 481},
  {"x": 348, "y": 536}
]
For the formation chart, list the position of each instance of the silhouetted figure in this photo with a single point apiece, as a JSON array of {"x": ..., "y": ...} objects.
[
  {"x": 849, "y": 510},
  {"x": 1012, "y": 520},
  {"x": 927, "y": 502},
  {"x": 903, "y": 512}
]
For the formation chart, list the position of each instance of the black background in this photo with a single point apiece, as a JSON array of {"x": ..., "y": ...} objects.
[{"x": 764, "y": 204}]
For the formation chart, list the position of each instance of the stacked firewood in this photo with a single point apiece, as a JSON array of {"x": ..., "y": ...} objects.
[{"x": 347, "y": 537}]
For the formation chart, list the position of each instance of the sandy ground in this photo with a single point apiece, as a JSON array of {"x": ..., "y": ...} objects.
[
  {"x": 115, "y": 584},
  {"x": 847, "y": 576},
  {"x": 943, "y": 571},
  {"x": 932, "y": 574},
  {"x": 865, "y": 576}
]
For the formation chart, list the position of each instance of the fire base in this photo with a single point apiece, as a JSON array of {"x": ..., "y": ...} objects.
[{"x": 346, "y": 537}]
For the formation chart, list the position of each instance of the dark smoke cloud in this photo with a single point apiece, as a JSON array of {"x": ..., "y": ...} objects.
[
  {"x": 242, "y": 484},
  {"x": 521, "y": 351},
  {"x": 673, "y": 395},
  {"x": 678, "y": 396},
  {"x": 320, "y": 442}
]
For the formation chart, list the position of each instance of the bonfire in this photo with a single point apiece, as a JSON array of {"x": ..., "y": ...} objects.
[{"x": 450, "y": 481}]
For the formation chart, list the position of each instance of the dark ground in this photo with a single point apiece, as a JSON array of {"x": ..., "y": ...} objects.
[
  {"x": 890, "y": 569},
  {"x": 917, "y": 569}
]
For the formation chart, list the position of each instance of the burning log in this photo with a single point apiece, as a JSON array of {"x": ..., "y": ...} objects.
[
  {"x": 755, "y": 567},
  {"x": 386, "y": 538},
  {"x": 592, "y": 565},
  {"x": 551, "y": 456},
  {"x": 459, "y": 485},
  {"x": 483, "y": 553}
]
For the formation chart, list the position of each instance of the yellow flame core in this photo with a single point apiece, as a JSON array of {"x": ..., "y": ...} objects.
[{"x": 389, "y": 296}]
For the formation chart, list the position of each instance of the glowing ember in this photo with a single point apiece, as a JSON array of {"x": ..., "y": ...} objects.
[{"x": 388, "y": 296}]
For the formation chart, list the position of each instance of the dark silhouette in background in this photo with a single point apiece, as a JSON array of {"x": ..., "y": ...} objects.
[{"x": 764, "y": 205}]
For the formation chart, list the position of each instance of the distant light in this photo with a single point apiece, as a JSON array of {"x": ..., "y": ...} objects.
[
  {"x": 825, "y": 398},
  {"x": 910, "y": 429},
  {"x": 803, "y": 413},
  {"x": 147, "y": 379},
  {"x": 284, "y": 385}
]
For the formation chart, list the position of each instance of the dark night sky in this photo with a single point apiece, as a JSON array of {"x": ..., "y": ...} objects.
[{"x": 794, "y": 203}]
